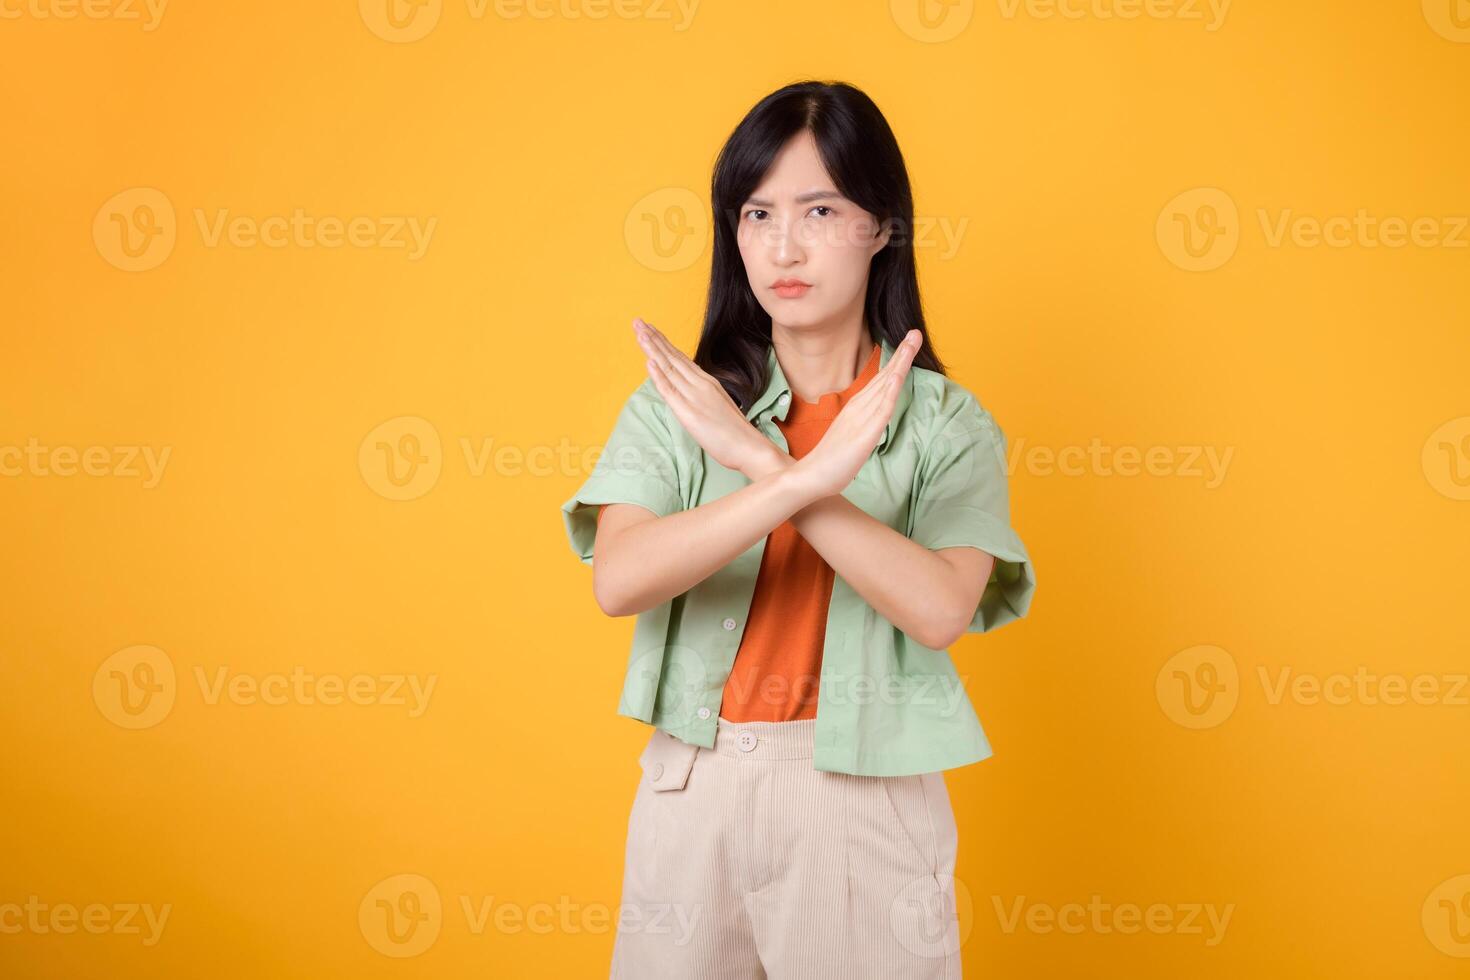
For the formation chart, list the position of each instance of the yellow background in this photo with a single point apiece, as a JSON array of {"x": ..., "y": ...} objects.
[{"x": 547, "y": 149}]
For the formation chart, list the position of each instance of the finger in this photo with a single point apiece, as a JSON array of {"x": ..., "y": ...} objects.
[
  {"x": 671, "y": 395},
  {"x": 904, "y": 356},
  {"x": 875, "y": 411},
  {"x": 653, "y": 343},
  {"x": 675, "y": 390},
  {"x": 641, "y": 335},
  {"x": 897, "y": 366},
  {"x": 905, "y": 352},
  {"x": 675, "y": 360},
  {"x": 900, "y": 363},
  {"x": 880, "y": 396},
  {"x": 889, "y": 398},
  {"x": 649, "y": 339}
]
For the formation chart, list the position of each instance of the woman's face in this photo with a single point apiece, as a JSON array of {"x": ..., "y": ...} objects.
[{"x": 796, "y": 226}]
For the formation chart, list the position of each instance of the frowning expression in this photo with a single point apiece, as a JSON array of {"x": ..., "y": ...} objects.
[{"x": 806, "y": 248}]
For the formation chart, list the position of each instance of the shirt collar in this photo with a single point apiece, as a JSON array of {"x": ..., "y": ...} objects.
[{"x": 770, "y": 401}]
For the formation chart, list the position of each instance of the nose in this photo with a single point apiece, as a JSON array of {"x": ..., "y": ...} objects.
[{"x": 784, "y": 243}]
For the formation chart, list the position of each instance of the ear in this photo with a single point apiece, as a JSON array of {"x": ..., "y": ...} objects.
[{"x": 880, "y": 240}]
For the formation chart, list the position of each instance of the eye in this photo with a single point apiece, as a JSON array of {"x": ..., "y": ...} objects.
[
  {"x": 754, "y": 211},
  {"x": 822, "y": 207}
]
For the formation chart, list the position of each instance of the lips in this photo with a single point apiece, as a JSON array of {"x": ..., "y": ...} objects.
[{"x": 790, "y": 288}]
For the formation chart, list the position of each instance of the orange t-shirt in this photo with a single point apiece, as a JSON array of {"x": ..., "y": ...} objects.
[{"x": 779, "y": 663}]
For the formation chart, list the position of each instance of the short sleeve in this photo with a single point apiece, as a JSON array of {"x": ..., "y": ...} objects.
[
  {"x": 638, "y": 465},
  {"x": 961, "y": 498}
]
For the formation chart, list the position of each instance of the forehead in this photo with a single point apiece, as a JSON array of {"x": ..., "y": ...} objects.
[{"x": 796, "y": 170}]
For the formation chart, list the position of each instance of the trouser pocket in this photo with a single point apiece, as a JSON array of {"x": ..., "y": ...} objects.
[{"x": 667, "y": 761}]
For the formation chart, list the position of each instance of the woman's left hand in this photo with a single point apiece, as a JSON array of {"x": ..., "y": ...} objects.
[{"x": 700, "y": 403}]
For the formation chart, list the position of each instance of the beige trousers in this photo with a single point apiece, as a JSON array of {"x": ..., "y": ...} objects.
[{"x": 745, "y": 863}]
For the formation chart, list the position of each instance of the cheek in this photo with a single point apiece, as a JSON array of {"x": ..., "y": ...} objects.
[
  {"x": 846, "y": 251},
  {"x": 840, "y": 263},
  {"x": 745, "y": 243},
  {"x": 749, "y": 241},
  {"x": 750, "y": 257},
  {"x": 757, "y": 237},
  {"x": 856, "y": 232}
]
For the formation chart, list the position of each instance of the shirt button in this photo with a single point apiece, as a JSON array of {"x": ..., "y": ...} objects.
[
  {"x": 783, "y": 399},
  {"x": 729, "y": 624},
  {"x": 704, "y": 712},
  {"x": 658, "y": 770},
  {"x": 746, "y": 740}
]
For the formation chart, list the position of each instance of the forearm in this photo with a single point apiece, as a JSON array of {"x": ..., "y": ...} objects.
[
  {"x": 911, "y": 586},
  {"x": 651, "y": 562}
]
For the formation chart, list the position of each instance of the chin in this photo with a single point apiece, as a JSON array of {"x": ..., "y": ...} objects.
[{"x": 796, "y": 313}]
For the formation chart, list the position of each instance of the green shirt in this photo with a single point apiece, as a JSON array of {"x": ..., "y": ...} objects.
[{"x": 886, "y": 704}]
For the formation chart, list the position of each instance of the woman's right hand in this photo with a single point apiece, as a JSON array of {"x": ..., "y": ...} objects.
[
  {"x": 701, "y": 404},
  {"x": 849, "y": 440}
]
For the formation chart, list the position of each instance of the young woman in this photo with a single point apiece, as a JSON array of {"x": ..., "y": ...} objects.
[{"x": 803, "y": 517}]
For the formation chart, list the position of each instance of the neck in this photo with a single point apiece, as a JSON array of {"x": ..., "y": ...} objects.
[{"x": 819, "y": 360}]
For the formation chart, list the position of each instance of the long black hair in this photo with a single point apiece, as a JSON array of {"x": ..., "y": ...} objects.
[{"x": 859, "y": 151}]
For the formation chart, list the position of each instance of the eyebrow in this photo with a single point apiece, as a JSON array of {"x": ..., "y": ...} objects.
[{"x": 806, "y": 198}]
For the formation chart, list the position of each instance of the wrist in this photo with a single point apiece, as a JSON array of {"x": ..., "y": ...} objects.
[
  {"x": 765, "y": 459},
  {"x": 802, "y": 482}
]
